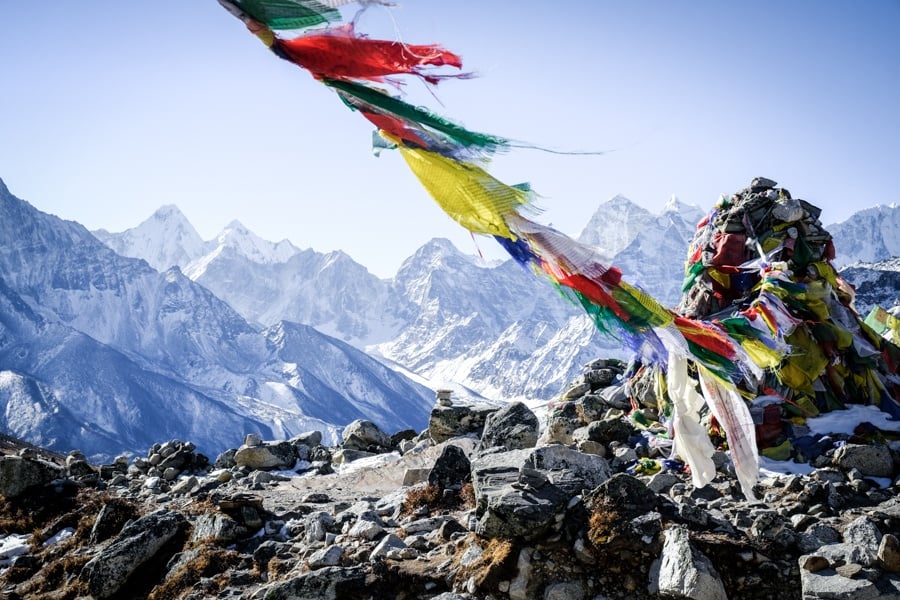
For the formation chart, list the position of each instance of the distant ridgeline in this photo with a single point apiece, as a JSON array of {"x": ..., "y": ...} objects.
[{"x": 765, "y": 254}]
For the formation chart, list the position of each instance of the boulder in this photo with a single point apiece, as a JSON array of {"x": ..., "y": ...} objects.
[
  {"x": 569, "y": 469},
  {"x": 626, "y": 493},
  {"x": 512, "y": 427},
  {"x": 561, "y": 425},
  {"x": 451, "y": 469},
  {"x": 218, "y": 528},
  {"x": 137, "y": 543},
  {"x": 387, "y": 543},
  {"x": 327, "y": 583},
  {"x": 307, "y": 438},
  {"x": 366, "y": 436},
  {"x": 18, "y": 474},
  {"x": 330, "y": 556},
  {"x": 682, "y": 571},
  {"x": 522, "y": 512},
  {"x": 268, "y": 455},
  {"x": 454, "y": 420},
  {"x": 870, "y": 460},
  {"x": 514, "y": 500}
]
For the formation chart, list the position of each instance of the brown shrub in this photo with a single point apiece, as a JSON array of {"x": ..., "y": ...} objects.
[
  {"x": 211, "y": 561},
  {"x": 467, "y": 496},
  {"x": 603, "y": 524},
  {"x": 416, "y": 498}
]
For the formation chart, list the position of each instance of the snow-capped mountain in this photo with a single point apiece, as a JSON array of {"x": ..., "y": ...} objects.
[
  {"x": 240, "y": 240},
  {"x": 868, "y": 236},
  {"x": 94, "y": 342},
  {"x": 496, "y": 330},
  {"x": 877, "y": 284},
  {"x": 164, "y": 240},
  {"x": 649, "y": 249}
]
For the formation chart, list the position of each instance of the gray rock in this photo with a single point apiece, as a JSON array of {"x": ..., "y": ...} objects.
[
  {"x": 457, "y": 420},
  {"x": 327, "y": 583},
  {"x": 817, "y": 535},
  {"x": 347, "y": 455},
  {"x": 685, "y": 572},
  {"x": 388, "y": 543},
  {"x": 561, "y": 425},
  {"x": 609, "y": 430},
  {"x": 521, "y": 512},
  {"x": 518, "y": 587},
  {"x": 326, "y": 557},
  {"x": 493, "y": 472},
  {"x": 317, "y": 525},
  {"x": 218, "y": 528},
  {"x": 226, "y": 459},
  {"x": 253, "y": 439},
  {"x": 365, "y": 435},
  {"x": 185, "y": 486},
  {"x": 109, "y": 522},
  {"x": 512, "y": 427},
  {"x": 872, "y": 461},
  {"x": 576, "y": 390},
  {"x": 663, "y": 481},
  {"x": 137, "y": 543},
  {"x": 889, "y": 554},
  {"x": 17, "y": 474},
  {"x": 365, "y": 529},
  {"x": 307, "y": 438},
  {"x": 276, "y": 455},
  {"x": 451, "y": 469},
  {"x": 569, "y": 590},
  {"x": 828, "y": 584},
  {"x": 628, "y": 494},
  {"x": 862, "y": 531},
  {"x": 591, "y": 407},
  {"x": 568, "y": 469}
]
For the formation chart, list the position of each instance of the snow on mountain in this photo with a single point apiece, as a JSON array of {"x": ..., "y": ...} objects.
[
  {"x": 615, "y": 224},
  {"x": 869, "y": 236},
  {"x": 328, "y": 291},
  {"x": 497, "y": 330},
  {"x": 135, "y": 354},
  {"x": 649, "y": 249},
  {"x": 244, "y": 242},
  {"x": 877, "y": 284},
  {"x": 164, "y": 240}
]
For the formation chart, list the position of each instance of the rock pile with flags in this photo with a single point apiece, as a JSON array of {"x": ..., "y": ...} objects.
[{"x": 764, "y": 254}]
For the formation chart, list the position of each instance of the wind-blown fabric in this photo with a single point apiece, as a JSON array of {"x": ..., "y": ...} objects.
[{"x": 449, "y": 161}]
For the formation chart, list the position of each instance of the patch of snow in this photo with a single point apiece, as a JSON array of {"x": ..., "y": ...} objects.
[
  {"x": 59, "y": 536},
  {"x": 845, "y": 421},
  {"x": 13, "y": 545}
]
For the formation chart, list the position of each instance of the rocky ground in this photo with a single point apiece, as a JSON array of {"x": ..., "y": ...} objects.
[{"x": 483, "y": 504}]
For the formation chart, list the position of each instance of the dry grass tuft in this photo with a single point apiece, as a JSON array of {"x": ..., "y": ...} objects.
[
  {"x": 603, "y": 524},
  {"x": 210, "y": 562},
  {"x": 429, "y": 496}
]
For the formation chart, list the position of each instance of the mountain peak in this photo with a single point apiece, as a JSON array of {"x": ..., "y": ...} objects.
[
  {"x": 164, "y": 239},
  {"x": 167, "y": 212},
  {"x": 4, "y": 191},
  {"x": 615, "y": 224},
  {"x": 243, "y": 241}
]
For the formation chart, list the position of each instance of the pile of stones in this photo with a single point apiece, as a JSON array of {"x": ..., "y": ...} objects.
[{"x": 479, "y": 505}]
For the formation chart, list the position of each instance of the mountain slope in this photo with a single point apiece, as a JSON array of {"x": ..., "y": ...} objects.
[
  {"x": 870, "y": 236},
  {"x": 164, "y": 240},
  {"x": 877, "y": 284},
  {"x": 135, "y": 349}
]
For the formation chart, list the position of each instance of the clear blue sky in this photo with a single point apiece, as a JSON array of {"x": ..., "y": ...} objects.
[{"x": 110, "y": 109}]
